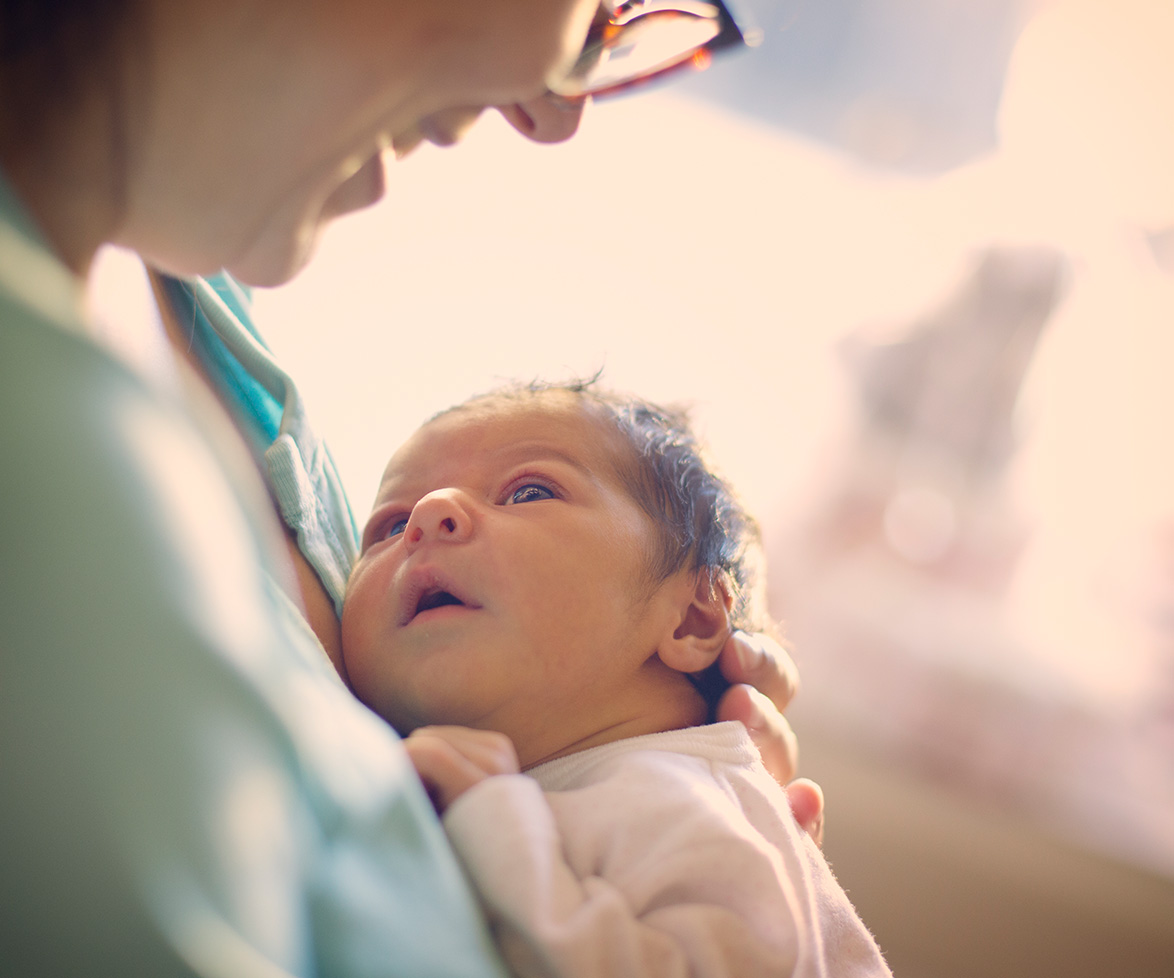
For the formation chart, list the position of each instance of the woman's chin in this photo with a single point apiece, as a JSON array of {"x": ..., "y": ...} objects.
[
  {"x": 280, "y": 251},
  {"x": 280, "y": 254},
  {"x": 268, "y": 267}
]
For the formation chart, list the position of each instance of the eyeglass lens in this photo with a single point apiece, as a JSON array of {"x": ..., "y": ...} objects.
[{"x": 644, "y": 40}]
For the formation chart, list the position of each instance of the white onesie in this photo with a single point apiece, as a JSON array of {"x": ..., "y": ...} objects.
[{"x": 670, "y": 854}]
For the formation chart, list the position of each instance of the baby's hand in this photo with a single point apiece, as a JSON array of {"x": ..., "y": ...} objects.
[{"x": 450, "y": 760}]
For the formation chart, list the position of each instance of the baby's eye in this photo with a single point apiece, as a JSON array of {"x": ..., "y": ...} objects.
[
  {"x": 394, "y": 529},
  {"x": 530, "y": 493}
]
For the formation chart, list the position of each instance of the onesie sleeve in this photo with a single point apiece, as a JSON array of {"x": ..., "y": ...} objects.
[{"x": 674, "y": 883}]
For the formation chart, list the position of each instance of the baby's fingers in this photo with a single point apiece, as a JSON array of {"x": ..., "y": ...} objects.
[
  {"x": 489, "y": 750},
  {"x": 447, "y": 769}
]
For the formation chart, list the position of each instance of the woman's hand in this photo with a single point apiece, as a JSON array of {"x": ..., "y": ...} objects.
[
  {"x": 450, "y": 760},
  {"x": 765, "y": 681}
]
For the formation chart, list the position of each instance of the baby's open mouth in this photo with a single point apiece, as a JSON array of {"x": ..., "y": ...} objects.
[
  {"x": 428, "y": 593},
  {"x": 435, "y": 599}
]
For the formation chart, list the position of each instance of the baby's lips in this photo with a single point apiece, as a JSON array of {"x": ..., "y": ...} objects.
[{"x": 422, "y": 583}]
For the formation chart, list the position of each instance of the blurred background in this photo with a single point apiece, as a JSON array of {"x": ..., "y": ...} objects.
[{"x": 912, "y": 263}]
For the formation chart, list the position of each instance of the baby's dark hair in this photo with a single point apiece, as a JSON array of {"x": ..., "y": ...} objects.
[{"x": 700, "y": 522}]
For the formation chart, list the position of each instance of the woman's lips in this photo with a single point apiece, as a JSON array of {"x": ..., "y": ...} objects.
[{"x": 361, "y": 189}]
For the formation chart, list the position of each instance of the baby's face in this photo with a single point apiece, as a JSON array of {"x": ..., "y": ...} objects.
[{"x": 503, "y": 580}]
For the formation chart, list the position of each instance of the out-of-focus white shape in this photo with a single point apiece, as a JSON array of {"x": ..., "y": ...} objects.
[
  {"x": 693, "y": 254},
  {"x": 1089, "y": 101},
  {"x": 920, "y": 524},
  {"x": 121, "y": 313}
]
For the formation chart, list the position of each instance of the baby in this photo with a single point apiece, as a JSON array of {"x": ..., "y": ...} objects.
[{"x": 546, "y": 571}]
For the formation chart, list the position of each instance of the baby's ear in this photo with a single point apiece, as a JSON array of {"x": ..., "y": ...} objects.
[{"x": 704, "y": 624}]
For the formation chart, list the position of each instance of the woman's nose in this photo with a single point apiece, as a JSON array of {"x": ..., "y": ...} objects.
[
  {"x": 546, "y": 119},
  {"x": 440, "y": 517},
  {"x": 448, "y": 127}
]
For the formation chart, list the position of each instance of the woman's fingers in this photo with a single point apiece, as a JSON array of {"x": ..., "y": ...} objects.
[
  {"x": 759, "y": 661},
  {"x": 765, "y": 681},
  {"x": 768, "y": 729},
  {"x": 806, "y": 798}
]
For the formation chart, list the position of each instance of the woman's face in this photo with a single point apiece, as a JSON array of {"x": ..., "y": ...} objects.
[{"x": 264, "y": 119}]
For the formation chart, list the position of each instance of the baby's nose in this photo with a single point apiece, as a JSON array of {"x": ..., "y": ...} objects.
[{"x": 440, "y": 517}]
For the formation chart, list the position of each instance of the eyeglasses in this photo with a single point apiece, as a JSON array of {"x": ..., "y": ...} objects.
[{"x": 647, "y": 39}]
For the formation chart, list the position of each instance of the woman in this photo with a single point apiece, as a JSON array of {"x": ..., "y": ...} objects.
[{"x": 188, "y": 786}]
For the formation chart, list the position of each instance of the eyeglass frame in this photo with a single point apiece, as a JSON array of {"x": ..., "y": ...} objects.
[{"x": 730, "y": 34}]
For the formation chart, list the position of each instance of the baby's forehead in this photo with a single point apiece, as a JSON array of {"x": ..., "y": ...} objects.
[{"x": 562, "y": 422}]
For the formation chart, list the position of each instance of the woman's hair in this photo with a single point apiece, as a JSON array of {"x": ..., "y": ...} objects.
[
  {"x": 700, "y": 522},
  {"x": 51, "y": 52}
]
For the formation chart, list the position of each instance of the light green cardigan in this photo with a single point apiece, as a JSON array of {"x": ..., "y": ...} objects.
[{"x": 185, "y": 786}]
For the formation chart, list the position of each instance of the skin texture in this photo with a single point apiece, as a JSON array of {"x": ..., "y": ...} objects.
[
  {"x": 229, "y": 132},
  {"x": 238, "y": 128},
  {"x": 518, "y": 509},
  {"x": 367, "y": 76},
  {"x": 562, "y": 641},
  {"x": 437, "y": 510}
]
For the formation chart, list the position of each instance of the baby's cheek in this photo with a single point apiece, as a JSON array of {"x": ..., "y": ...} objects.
[{"x": 356, "y": 616}]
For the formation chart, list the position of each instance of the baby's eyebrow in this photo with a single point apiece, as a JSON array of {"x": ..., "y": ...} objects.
[
  {"x": 543, "y": 453},
  {"x": 401, "y": 483},
  {"x": 597, "y": 469}
]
